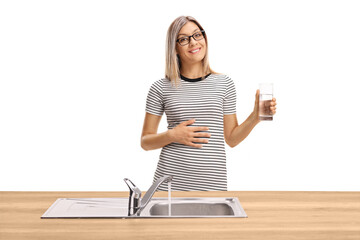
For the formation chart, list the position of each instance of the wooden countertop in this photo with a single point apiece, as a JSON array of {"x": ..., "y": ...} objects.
[{"x": 271, "y": 215}]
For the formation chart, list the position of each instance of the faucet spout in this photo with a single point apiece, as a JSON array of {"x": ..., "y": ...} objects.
[
  {"x": 136, "y": 204},
  {"x": 148, "y": 195}
]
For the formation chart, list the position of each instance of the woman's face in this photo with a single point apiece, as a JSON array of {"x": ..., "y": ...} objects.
[{"x": 185, "y": 51}]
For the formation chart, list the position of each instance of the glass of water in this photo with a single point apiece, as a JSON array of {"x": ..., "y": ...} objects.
[{"x": 266, "y": 95}]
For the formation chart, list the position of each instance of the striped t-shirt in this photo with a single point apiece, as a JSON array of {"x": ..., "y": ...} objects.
[{"x": 194, "y": 169}]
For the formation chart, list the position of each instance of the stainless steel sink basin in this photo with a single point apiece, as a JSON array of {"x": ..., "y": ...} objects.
[
  {"x": 157, "y": 208},
  {"x": 195, "y": 207},
  {"x": 192, "y": 209}
]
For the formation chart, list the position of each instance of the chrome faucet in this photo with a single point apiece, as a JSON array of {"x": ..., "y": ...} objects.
[{"x": 136, "y": 204}]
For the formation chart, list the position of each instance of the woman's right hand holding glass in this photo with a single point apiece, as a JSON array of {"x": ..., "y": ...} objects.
[{"x": 188, "y": 135}]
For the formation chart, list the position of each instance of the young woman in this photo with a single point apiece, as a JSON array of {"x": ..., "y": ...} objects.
[{"x": 200, "y": 106}]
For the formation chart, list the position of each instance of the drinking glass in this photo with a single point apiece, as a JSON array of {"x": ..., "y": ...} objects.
[{"x": 266, "y": 95}]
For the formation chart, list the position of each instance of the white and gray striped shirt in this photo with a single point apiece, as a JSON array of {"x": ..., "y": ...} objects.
[{"x": 194, "y": 169}]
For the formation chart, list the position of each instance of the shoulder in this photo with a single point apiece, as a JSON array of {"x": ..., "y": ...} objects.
[
  {"x": 159, "y": 84},
  {"x": 220, "y": 76},
  {"x": 224, "y": 78}
]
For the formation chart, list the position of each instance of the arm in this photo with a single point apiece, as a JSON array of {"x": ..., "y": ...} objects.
[
  {"x": 150, "y": 139},
  {"x": 234, "y": 133}
]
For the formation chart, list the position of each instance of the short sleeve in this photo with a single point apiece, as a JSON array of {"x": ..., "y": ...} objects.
[
  {"x": 229, "y": 104},
  {"x": 154, "y": 101}
]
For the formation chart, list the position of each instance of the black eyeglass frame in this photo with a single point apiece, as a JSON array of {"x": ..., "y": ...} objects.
[{"x": 191, "y": 36}]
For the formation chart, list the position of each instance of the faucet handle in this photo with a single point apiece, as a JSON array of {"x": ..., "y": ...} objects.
[
  {"x": 134, "y": 197},
  {"x": 134, "y": 190}
]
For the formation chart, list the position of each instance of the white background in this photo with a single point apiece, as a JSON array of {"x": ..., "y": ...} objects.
[{"x": 75, "y": 76}]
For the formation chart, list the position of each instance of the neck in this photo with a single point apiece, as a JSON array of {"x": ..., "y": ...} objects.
[{"x": 193, "y": 70}]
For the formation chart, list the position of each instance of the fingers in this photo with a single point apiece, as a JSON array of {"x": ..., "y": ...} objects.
[
  {"x": 194, "y": 145},
  {"x": 197, "y": 140},
  {"x": 200, "y": 140},
  {"x": 273, "y": 106},
  {"x": 194, "y": 129},
  {"x": 198, "y": 129},
  {"x": 188, "y": 122},
  {"x": 273, "y": 110},
  {"x": 198, "y": 134}
]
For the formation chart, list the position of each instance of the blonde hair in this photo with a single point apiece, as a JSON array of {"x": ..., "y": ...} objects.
[{"x": 173, "y": 61}]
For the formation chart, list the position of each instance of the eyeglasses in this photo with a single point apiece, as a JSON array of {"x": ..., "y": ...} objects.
[{"x": 196, "y": 36}]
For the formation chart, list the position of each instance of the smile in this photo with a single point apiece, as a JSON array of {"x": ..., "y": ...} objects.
[{"x": 195, "y": 51}]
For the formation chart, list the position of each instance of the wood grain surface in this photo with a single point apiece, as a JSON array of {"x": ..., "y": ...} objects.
[{"x": 271, "y": 215}]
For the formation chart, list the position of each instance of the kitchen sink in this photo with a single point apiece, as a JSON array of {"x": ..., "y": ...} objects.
[
  {"x": 190, "y": 207},
  {"x": 194, "y": 208}
]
